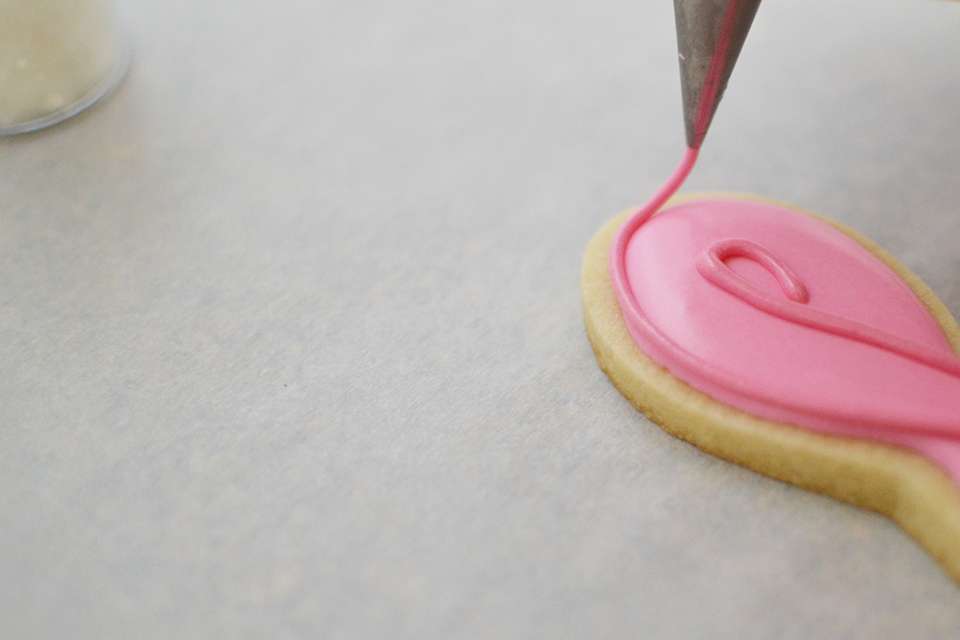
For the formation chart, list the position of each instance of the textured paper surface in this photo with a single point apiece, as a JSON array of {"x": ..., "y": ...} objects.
[{"x": 291, "y": 341}]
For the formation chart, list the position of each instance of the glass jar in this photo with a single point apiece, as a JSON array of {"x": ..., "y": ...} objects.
[{"x": 57, "y": 57}]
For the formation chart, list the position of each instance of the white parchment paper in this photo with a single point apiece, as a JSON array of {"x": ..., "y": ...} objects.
[{"x": 291, "y": 342}]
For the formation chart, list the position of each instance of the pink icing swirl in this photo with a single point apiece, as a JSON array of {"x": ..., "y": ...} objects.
[
  {"x": 711, "y": 266},
  {"x": 784, "y": 317}
]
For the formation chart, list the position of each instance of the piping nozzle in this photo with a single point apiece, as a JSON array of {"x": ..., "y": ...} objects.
[{"x": 710, "y": 34}]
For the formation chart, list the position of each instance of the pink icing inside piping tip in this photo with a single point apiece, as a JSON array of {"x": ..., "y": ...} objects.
[{"x": 786, "y": 318}]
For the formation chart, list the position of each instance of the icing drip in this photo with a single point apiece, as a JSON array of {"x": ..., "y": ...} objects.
[{"x": 786, "y": 318}]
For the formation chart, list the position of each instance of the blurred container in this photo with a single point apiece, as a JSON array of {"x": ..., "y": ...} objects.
[{"x": 57, "y": 57}]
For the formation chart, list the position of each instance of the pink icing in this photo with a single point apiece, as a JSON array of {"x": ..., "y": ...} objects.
[{"x": 784, "y": 317}]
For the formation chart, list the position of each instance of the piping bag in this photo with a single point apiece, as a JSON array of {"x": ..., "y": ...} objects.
[{"x": 710, "y": 34}]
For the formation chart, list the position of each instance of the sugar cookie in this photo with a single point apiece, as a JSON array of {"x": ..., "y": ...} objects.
[{"x": 789, "y": 344}]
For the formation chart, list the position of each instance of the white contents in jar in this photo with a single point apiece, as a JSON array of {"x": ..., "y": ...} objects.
[{"x": 53, "y": 53}]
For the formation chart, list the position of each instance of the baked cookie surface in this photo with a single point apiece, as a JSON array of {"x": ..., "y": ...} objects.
[{"x": 917, "y": 493}]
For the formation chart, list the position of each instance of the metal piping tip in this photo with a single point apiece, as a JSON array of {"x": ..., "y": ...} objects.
[{"x": 710, "y": 34}]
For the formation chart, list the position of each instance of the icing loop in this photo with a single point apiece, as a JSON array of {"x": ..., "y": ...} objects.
[{"x": 711, "y": 266}]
